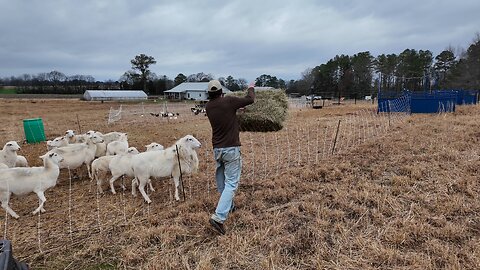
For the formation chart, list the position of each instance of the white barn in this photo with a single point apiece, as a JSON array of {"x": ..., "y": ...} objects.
[
  {"x": 104, "y": 95},
  {"x": 190, "y": 91}
]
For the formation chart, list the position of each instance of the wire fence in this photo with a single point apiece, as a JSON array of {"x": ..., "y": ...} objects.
[{"x": 86, "y": 214}]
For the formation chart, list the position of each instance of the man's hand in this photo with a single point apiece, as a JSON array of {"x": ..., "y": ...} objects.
[{"x": 251, "y": 90}]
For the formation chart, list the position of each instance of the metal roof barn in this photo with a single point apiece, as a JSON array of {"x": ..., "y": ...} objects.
[
  {"x": 191, "y": 91},
  {"x": 92, "y": 95}
]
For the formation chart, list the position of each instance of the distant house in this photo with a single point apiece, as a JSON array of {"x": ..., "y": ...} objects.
[
  {"x": 190, "y": 91},
  {"x": 104, "y": 95}
]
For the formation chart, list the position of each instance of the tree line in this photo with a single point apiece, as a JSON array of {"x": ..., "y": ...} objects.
[
  {"x": 347, "y": 76},
  {"x": 415, "y": 70}
]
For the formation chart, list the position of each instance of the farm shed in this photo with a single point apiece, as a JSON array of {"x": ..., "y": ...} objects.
[
  {"x": 191, "y": 91},
  {"x": 92, "y": 95}
]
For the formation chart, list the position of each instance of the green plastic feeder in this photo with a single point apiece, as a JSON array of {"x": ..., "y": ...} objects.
[{"x": 34, "y": 131}]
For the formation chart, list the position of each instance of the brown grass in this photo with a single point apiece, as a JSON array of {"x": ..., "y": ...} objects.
[{"x": 403, "y": 197}]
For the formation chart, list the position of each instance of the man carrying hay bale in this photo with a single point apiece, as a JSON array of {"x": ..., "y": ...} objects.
[{"x": 221, "y": 112}]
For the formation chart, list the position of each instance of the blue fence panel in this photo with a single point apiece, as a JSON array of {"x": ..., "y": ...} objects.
[
  {"x": 384, "y": 98},
  {"x": 465, "y": 97},
  {"x": 427, "y": 102},
  {"x": 433, "y": 102}
]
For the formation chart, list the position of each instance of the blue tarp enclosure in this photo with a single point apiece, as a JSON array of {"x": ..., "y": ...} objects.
[{"x": 426, "y": 102}]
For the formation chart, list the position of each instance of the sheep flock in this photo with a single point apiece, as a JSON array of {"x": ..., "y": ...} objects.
[{"x": 101, "y": 153}]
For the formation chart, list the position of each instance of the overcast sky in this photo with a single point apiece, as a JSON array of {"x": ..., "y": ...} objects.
[{"x": 241, "y": 38}]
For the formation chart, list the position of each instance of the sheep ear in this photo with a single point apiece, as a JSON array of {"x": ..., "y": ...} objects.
[{"x": 42, "y": 157}]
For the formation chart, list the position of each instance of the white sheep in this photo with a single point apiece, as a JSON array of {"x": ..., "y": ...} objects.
[
  {"x": 21, "y": 181},
  {"x": 122, "y": 165},
  {"x": 164, "y": 163},
  {"x": 21, "y": 161},
  {"x": 99, "y": 165},
  {"x": 108, "y": 137},
  {"x": 57, "y": 142},
  {"x": 101, "y": 147},
  {"x": 8, "y": 155},
  {"x": 75, "y": 155},
  {"x": 3, "y": 166},
  {"x": 119, "y": 146}
]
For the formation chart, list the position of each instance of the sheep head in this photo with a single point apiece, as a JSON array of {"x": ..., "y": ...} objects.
[
  {"x": 69, "y": 133},
  {"x": 56, "y": 142},
  {"x": 132, "y": 151},
  {"x": 154, "y": 147},
  {"x": 56, "y": 158},
  {"x": 191, "y": 141},
  {"x": 96, "y": 138},
  {"x": 12, "y": 146}
]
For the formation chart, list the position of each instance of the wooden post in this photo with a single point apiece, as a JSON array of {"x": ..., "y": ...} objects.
[
  {"x": 180, "y": 168},
  {"x": 336, "y": 135}
]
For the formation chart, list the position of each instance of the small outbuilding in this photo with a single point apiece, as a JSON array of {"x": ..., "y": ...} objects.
[{"x": 106, "y": 95}]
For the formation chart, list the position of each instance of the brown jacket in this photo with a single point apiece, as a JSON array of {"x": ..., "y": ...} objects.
[{"x": 222, "y": 114}]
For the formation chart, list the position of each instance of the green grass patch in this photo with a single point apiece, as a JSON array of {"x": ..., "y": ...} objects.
[{"x": 7, "y": 90}]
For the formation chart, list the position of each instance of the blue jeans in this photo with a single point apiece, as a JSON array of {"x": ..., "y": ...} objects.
[{"x": 227, "y": 174}]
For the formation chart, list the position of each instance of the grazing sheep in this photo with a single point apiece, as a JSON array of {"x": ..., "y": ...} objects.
[
  {"x": 8, "y": 155},
  {"x": 75, "y": 155},
  {"x": 21, "y": 161},
  {"x": 57, "y": 142},
  {"x": 122, "y": 165},
  {"x": 3, "y": 166},
  {"x": 21, "y": 181},
  {"x": 164, "y": 163},
  {"x": 119, "y": 146}
]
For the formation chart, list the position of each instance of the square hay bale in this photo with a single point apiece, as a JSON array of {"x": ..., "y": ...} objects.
[{"x": 267, "y": 113}]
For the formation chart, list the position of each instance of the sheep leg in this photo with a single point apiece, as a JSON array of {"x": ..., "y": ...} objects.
[
  {"x": 150, "y": 184},
  {"x": 134, "y": 187},
  {"x": 176, "y": 179},
  {"x": 121, "y": 185},
  {"x": 141, "y": 187},
  {"x": 99, "y": 182},
  {"x": 114, "y": 177},
  {"x": 5, "y": 197},
  {"x": 88, "y": 170},
  {"x": 42, "y": 199}
]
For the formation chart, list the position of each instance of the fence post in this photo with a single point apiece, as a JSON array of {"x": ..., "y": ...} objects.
[{"x": 336, "y": 135}]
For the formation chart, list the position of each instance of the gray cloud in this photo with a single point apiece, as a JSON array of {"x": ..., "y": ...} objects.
[{"x": 240, "y": 38}]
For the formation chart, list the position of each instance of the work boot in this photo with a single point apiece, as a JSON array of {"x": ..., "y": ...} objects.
[{"x": 217, "y": 226}]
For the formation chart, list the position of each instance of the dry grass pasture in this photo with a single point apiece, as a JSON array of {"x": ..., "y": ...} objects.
[{"x": 399, "y": 192}]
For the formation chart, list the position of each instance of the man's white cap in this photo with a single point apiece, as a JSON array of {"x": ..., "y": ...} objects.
[{"x": 214, "y": 86}]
